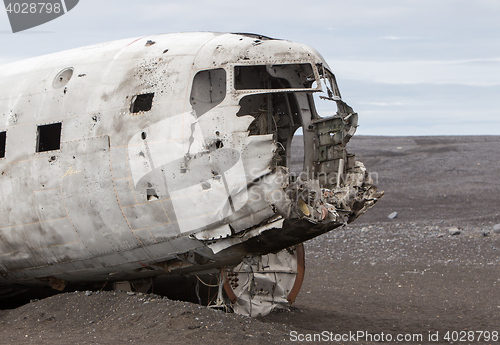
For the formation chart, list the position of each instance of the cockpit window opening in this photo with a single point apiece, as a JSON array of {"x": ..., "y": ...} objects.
[
  {"x": 49, "y": 137},
  {"x": 296, "y": 165},
  {"x": 280, "y": 76},
  {"x": 275, "y": 113},
  {"x": 276, "y": 108},
  {"x": 320, "y": 101},
  {"x": 330, "y": 83},
  {"x": 208, "y": 91},
  {"x": 3, "y": 140},
  {"x": 142, "y": 102}
]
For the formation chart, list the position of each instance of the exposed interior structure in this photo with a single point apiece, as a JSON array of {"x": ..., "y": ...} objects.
[{"x": 288, "y": 101}]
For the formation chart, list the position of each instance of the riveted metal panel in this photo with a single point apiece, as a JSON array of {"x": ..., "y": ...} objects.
[
  {"x": 119, "y": 162},
  {"x": 50, "y": 204},
  {"x": 144, "y": 236},
  {"x": 90, "y": 196},
  {"x": 45, "y": 173},
  {"x": 146, "y": 215},
  {"x": 17, "y": 206},
  {"x": 125, "y": 192}
]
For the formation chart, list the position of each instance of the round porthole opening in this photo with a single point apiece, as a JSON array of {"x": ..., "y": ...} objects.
[{"x": 63, "y": 77}]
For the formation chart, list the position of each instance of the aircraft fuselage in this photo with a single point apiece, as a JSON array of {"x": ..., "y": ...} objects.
[{"x": 168, "y": 153}]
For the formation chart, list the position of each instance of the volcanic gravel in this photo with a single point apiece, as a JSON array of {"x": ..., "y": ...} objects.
[{"x": 432, "y": 270}]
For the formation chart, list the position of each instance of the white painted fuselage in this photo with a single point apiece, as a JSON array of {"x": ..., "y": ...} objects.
[{"x": 152, "y": 155}]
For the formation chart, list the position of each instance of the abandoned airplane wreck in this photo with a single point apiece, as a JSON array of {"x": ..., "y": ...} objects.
[{"x": 170, "y": 154}]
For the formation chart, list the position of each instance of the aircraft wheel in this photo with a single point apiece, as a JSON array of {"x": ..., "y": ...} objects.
[{"x": 264, "y": 282}]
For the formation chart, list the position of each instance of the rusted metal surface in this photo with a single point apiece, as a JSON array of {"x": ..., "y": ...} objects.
[
  {"x": 265, "y": 282},
  {"x": 299, "y": 279},
  {"x": 172, "y": 154}
]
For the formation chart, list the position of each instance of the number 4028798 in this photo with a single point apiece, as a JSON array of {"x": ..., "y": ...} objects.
[
  {"x": 458, "y": 336},
  {"x": 33, "y": 7}
]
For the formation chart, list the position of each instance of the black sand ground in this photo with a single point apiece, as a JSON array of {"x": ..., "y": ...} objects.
[{"x": 402, "y": 277}]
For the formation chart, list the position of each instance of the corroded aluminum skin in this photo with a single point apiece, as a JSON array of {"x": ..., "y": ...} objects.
[{"x": 82, "y": 213}]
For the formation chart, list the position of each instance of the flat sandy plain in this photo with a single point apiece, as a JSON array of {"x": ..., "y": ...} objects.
[{"x": 403, "y": 277}]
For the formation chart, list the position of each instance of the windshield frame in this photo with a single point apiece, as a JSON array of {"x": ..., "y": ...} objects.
[{"x": 311, "y": 78}]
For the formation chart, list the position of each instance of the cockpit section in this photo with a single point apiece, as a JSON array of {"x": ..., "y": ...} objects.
[
  {"x": 285, "y": 99},
  {"x": 299, "y": 100}
]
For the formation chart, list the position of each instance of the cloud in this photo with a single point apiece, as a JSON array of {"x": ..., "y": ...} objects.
[
  {"x": 400, "y": 38},
  {"x": 477, "y": 72},
  {"x": 420, "y": 66},
  {"x": 383, "y": 104},
  {"x": 428, "y": 128}
]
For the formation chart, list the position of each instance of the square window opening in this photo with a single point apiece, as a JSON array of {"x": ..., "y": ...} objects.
[
  {"x": 49, "y": 137},
  {"x": 142, "y": 102},
  {"x": 3, "y": 139}
]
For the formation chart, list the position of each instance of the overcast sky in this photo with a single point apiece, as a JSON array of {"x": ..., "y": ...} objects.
[{"x": 408, "y": 67}]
